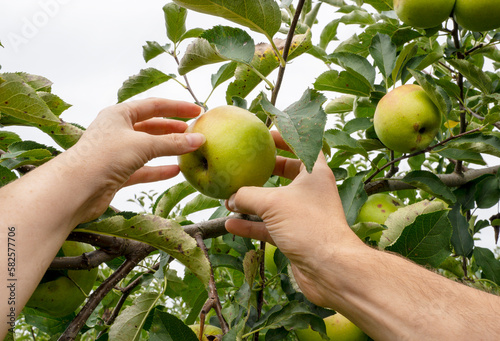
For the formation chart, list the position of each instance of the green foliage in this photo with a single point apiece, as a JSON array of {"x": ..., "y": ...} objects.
[{"x": 458, "y": 69}]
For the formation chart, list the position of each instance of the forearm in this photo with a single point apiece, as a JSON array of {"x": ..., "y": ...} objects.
[
  {"x": 393, "y": 299},
  {"x": 38, "y": 212}
]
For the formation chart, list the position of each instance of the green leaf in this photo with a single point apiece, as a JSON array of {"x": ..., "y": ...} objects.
[
  {"x": 340, "y": 105},
  {"x": 231, "y": 43},
  {"x": 128, "y": 325},
  {"x": 163, "y": 234},
  {"x": 363, "y": 230},
  {"x": 46, "y": 323},
  {"x": 54, "y": 102},
  {"x": 328, "y": 34},
  {"x": 175, "y": 21},
  {"x": 354, "y": 63},
  {"x": 486, "y": 260},
  {"x": 435, "y": 93},
  {"x": 152, "y": 49},
  {"x": 64, "y": 134},
  {"x": 225, "y": 72},
  {"x": 341, "y": 140},
  {"x": 353, "y": 196},
  {"x": 488, "y": 191},
  {"x": 6, "y": 176},
  {"x": 356, "y": 124},
  {"x": 475, "y": 75},
  {"x": 145, "y": 80},
  {"x": 251, "y": 265},
  {"x": 20, "y": 100},
  {"x": 199, "y": 53},
  {"x": 7, "y": 138},
  {"x": 461, "y": 239},
  {"x": 37, "y": 83},
  {"x": 26, "y": 153},
  {"x": 427, "y": 240},
  {"x": 343, "y": 82},
  {"x": 430, "y": 183},
  {"x": 192, "y": 33},
  {"x": 383, "y": 51},
  {"x": 227, "y": 261},
  {"x": 168, "y": 327},
  {"x": 301, "y": 125},
  {"x": 263, "y": 16},
  {"x": 357, "y": 17},
  {"x": 407, "y": 53},
  {"x": 463, "y": 155},
  {"x": 199, "y": 203},
  {"x": 477, "y": 142}
]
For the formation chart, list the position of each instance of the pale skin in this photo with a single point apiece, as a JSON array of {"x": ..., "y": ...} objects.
[
  {"x": 384, "y": 294},
  {"x": 78, "y": 185}
]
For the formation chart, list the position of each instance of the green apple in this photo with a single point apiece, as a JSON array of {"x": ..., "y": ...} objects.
[
  {"x": 376, "y": 209},
  {"x": 478, "y": 15},
  {"x": 423, "y": 13},
  {"x": 60, "y": 293},
  {"x": 338, "y": 328},
  {"x": 239, "y": 151},
  {"x": 406, "y": 120},
  {"x": 269, "y": 259},
  {"x": 208, "y": 330}
]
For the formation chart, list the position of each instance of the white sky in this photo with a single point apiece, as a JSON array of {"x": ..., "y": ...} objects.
[{"x": 88, "y": 48}]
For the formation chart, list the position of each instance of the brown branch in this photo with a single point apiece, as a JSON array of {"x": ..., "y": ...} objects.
[
  {"x": 213, "y": 297},
  {"x": 215, "y": 227},
  {"x": 260, "y": 293}
]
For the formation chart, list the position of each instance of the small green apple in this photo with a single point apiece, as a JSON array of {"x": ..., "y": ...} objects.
[
  {"x": 58, "y": 294},
  {"x": 269, "y": 259},
  {"x": 423, "y": 13},
  {"x": 478, "y": 15},
  {"x": 208, "y": 330},
  {"x": 239, "y": 151},
  {"x": 376, "y": 209},
  {"x": 338, "y": 328},
  {"x": 406, "y": 120}
]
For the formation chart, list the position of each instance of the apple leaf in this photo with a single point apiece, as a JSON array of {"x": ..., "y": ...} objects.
[
  {"x": 294, "y": 315},
  {"x": 171, "y": 197},
  {"x": 486, "y": 260},
  {"x": 231, "y": 43},
  {"x": 329, "y": 33},
  {"x": 438, "y": 96},
  {"x": 199, "y": 53},
  {"x": 152, "y": 49},
  {"x": 128, "y": 325},
  {"x": 340, "y": 105},
  {"x": 263, "y": 16},
  {"x": 404, "y": 216},
  {"x": 354, "y": 63},
  {"x": 37, "y": 83},
  {"x": 26, "y": 153},
  {"x": 264, "y": 61},
  {"x": 408, "y": 52},
  {"x": 353, "y": 196},
  {"x": 463, "y": 155},
  {"x": 19, "y": 99},
  {"x": 426, "y": 241},
  {"x": 343, "y": 82},
  {"x": 430, "y": 183},
  {"x": 175, "y": 21},
  {"x": 199, "y": 203},
  {"x": 461, "y": 239},
  {"x": 475, "y": 75},
  {"x": 477, "y": 142},
  {"x": 225, "y": 72},
  {"x": 488, "y": 191},
  {"x": 7, "y": 138},
  {"x": 301, "y": 125},
  {"x": 342, "y": 140},
  {"x": 54, "y": 102},
  {"x": 168, "y": 327},
  {"x": 365, "y": 229},
  {"x": 6, "y": 176},
  {"x": 251, "y": 265},
  {"x": 145, "y": 80},
  {"x": 163, "y": 234},
  {"x": 383, "y": 51}
]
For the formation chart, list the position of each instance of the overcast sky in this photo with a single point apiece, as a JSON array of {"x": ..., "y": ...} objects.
[{"x": 88, "y": 48}]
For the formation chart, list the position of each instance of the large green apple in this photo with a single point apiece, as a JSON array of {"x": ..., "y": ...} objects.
[
  {"x": 239, "y": 151},
  {"x": 338, "y": 328},
  {"x": 406, "y": 120},
  {"x": 478, "y": 15},
  {"x": 423, "y": 13},
  {"x": 208, "y": 330},
  {"x": 60, "y": 293},
  {"x": 376, "y": 209}
]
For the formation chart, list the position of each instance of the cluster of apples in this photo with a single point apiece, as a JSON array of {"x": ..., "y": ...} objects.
[{"x": 473, "y": 15}]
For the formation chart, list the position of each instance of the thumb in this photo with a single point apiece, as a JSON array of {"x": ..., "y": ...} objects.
[{"x": 249, "y": 200}]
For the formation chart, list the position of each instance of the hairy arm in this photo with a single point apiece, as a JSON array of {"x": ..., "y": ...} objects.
[{"x": 387, "y": 296}]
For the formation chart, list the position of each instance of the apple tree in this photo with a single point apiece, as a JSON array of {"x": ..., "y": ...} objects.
[{"x": 446, "y": 187}]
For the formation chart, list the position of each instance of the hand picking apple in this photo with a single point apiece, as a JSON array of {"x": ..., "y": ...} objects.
[{"x": 239, "y": 151}]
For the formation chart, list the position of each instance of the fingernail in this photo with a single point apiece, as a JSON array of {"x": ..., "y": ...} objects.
[
  {"x": 195, "y": 139},
  {"x": 231, "y": 204},
  {"x": 202, "y": 111}
]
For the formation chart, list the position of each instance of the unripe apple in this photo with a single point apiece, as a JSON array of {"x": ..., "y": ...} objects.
[
  {"x": 406, "y": 120},
  {"x": 58, "y": 294},
  {"x": 376, "y": 209},
  {"x": 478, "y": 15},
  {"x": 239, "y": 151},
  {"x": 423, "y": 13},
  {"x": 208, "y": 330},
  {"x": 338, "y": 328}
]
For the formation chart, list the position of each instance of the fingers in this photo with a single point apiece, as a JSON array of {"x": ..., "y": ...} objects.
[
  {"x": 279, "y": 142},
  {"x": 152, "y": 174},
  {"x": 142, "y": 110},
  {"x": 287, "y": 168},
  {"x": 248, "y": 229},
  {"x": 174, "y": 144},
  {"x": 158, "y": 126}
]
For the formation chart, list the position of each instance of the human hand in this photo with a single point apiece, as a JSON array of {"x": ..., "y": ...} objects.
[
  {"x": 304, "y": 219},
  {"x": 113, "y": 151}
]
